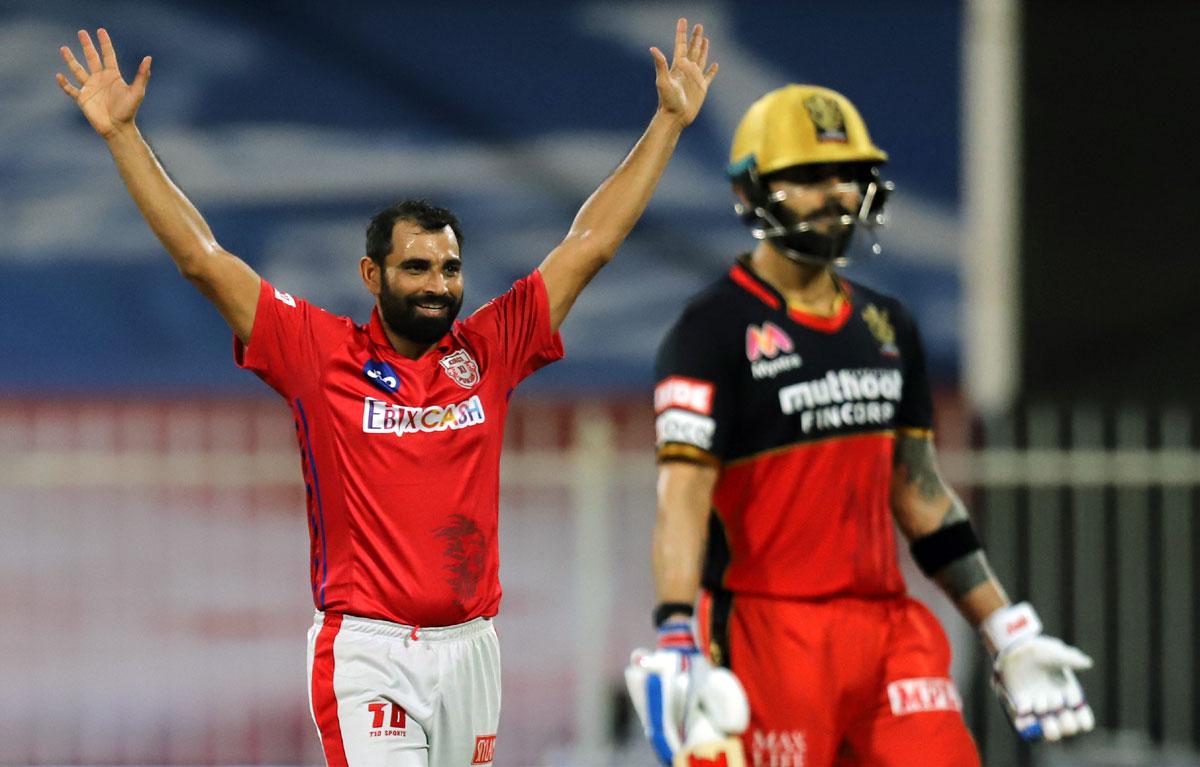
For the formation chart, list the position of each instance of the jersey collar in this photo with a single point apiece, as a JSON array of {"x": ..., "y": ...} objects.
[{"x": 745, "y": 277}]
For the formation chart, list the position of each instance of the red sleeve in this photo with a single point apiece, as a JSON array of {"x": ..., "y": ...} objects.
[
  {"x": 290, "y": 341},
  {"x": 519, "y": 321}
]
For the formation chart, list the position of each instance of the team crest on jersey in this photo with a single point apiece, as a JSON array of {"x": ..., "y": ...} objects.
[
  {"x": 461, "y": 368},
  {"x": 881, "y": 327}
]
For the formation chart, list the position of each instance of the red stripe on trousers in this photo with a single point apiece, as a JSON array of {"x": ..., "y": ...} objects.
[{"x": 325, "y": 709}]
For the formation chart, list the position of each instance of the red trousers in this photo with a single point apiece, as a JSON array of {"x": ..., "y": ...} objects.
[{"x": 840, "y": 682}]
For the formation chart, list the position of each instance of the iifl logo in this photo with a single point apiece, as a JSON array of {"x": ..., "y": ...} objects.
[{"x": 396, "y": 722}]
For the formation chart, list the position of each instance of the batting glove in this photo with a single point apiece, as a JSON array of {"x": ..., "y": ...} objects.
[
  {"x": 1034, "y": 676},
  {"x": 681, "y": 699}
]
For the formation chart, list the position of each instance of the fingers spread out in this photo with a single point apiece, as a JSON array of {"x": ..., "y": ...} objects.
[
  {"x": 680, "y": 40},
  {"x": 697, "y": 43},
  {"x": 76, "y": 68},
  {"x": 63, "y": 83},
  {"x": 106, "y": 49},
  {"x": 89, "y": 52}
]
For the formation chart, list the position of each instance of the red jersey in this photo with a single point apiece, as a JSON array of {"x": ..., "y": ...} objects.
[
  {"x": 800, "y": 413},
  {"x": 401, "y": 457}
]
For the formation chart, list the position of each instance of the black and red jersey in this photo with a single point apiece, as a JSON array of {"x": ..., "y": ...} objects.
[{"x": 800, "y": 412}]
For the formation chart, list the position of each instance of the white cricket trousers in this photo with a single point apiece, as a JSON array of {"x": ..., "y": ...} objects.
[{"x": 387, "y": 695}]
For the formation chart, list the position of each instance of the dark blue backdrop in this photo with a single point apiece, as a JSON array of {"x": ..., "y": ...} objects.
[{"x": 289, "y": 123}]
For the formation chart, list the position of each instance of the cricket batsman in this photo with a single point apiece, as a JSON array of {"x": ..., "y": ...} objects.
[{"x": 794, "y": 433}]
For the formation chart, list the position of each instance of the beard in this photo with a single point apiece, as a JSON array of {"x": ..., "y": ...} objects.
[
  {"x": 826, "y": 240},
  {"x": 400, "y": 313}
]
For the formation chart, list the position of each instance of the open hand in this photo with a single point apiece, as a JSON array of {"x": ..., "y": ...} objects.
[
  {"x": 107, "y": 101},
  {"x": 683, "y": 86}
]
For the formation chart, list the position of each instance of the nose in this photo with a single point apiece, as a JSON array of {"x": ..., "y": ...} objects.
[{"x": 438, "y": 283}]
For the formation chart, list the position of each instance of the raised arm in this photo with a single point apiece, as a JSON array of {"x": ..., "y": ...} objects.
[
  {"x": 110, "y": 105},
  {"x": 610, "y": 213}
]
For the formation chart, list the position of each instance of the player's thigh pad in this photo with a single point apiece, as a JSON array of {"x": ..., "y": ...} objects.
[
  {"x": 378, "y": 694},
  {"x": 917, "y": 716}
]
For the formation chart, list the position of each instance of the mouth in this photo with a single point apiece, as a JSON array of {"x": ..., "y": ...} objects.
[{"x": 431, "y": 308}]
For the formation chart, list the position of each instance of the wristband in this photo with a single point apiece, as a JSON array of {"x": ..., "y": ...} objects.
[
  {"x": 676, "y": 635},
  {"x": 945, "y": 546},
  {"x": 665, "y": 610},
  {"x": 1009, "y": 626}
]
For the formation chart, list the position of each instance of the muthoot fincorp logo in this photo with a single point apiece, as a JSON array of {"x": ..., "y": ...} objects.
[{"x": 844, "y": 398}]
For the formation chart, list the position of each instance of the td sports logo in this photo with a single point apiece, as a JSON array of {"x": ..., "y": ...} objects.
[{"x": 381, "y": 417}]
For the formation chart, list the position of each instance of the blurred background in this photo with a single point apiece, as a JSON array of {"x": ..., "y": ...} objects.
[{"x": 152, "y": 537}]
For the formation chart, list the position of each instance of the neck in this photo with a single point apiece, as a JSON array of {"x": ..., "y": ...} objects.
[{"x": 811, "y": 288}]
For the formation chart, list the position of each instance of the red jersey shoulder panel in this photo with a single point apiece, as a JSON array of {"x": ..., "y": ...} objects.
[{"x": 291, "y": 340}]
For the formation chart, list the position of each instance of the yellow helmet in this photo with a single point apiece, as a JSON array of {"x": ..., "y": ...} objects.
[{"x": 799, "y": 125}]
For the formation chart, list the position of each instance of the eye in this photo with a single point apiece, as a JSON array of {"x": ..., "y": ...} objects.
[{"x": 453, "y": 268}]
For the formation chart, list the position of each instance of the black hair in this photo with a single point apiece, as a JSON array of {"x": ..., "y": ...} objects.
[{"x": 423, "y": 213}]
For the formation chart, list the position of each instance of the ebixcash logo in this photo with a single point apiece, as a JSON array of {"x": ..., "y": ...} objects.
[{"x": 381, "y": 417}]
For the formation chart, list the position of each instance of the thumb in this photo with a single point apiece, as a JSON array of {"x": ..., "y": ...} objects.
[
  {"x": 143, "y": 77},
  {"x": 660, "y": 62},
  {"x": 1057, "y": 653}
]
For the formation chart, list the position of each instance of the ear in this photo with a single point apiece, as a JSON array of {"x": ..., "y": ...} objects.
[{"x": 371, "y": 274}]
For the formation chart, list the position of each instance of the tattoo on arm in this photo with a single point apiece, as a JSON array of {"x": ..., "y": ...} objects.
[
  {"x": 958, "y": 578},
  {"x": 916, "y": 467},
  {"x": 913, "y": 458},
  {"x": 914, "y": 464}
]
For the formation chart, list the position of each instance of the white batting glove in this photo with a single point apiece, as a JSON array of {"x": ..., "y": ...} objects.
[
  {"x": 680, "y": 698},
  {"x": 1034, "y": 676}
]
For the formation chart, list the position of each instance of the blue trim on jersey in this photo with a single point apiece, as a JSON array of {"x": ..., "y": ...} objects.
[
  {"x": 312, "y": 467},
  {"x": 654, "y": 711}
]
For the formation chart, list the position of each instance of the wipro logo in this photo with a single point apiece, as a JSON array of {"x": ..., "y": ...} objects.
[{"x": 381, "y": 417}]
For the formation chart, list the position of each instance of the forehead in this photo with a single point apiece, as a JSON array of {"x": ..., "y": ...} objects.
[
  {"x": 816, "y": 173},
  {"x": 410, "y": 240}
]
